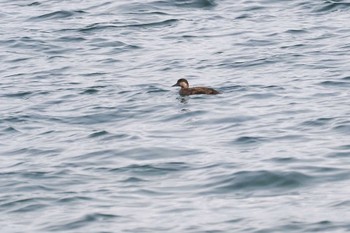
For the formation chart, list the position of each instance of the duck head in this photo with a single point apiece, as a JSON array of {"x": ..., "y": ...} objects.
[{"x": 181, "y": 83}]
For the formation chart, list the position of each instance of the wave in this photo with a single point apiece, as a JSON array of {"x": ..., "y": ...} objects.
[
  {"x": 187, "y": 3},
  {"x": 104, "y": 26},
  {"x": 333, "y": 5},
  {"x": 258, "y": 181},
  {"x": 56, "y": 15}
]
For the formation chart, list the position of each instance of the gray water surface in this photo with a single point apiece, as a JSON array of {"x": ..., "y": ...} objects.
[{"x": 93, "y": 137}]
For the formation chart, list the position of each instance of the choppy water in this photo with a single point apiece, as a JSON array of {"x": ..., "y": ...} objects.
[{"x": 94, "y": 139}]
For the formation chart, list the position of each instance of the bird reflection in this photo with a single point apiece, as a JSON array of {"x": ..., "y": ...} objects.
[{"x": 184, "y": 101}]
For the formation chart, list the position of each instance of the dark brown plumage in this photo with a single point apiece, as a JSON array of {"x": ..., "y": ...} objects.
[{"x": 186, "y": 90}]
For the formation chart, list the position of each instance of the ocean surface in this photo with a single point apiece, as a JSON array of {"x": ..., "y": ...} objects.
[{"x": 93, "y": 138}]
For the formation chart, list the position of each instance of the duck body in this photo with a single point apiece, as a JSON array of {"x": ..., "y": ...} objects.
[
  {"x": 198, "y": 91},
  {"x": 186, "y": 90}
]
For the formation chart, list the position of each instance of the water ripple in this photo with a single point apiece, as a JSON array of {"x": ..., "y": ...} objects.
[
  {"x": 56, "y": 15},
  {"x": 260, "y": 180},
  {"x": 93, "y": 137}
]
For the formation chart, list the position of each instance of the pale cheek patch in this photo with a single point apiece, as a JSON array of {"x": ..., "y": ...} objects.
[{"x": 184, "y": 85}]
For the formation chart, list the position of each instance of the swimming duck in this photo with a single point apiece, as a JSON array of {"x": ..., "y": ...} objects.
[{"x": 186, "y": 90}]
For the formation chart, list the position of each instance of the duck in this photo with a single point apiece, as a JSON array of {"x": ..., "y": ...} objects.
[{"x": 186, "y": 90}]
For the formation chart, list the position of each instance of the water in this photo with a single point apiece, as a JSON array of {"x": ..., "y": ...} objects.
[{"x": 94, "y": 139}]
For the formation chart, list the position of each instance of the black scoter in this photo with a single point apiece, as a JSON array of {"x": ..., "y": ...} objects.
[{"x": 186, "y": 90}]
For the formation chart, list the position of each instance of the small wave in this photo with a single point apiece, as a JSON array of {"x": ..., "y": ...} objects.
[
  {"x": 24, "y": 205},
  {"x": 258, "y": 180},
  {"x": 234, "y": 88},
  {"x": 34, "y": 188},
  {"x": 246, "y": 140},
  {"x": 34, "y": 4},
  {"x": 18, "y": 60},
  {"x": 56, "y": 15},
  {"x": 343, "y": 127},
  {"x": 71, "y": 39},
  {"x": 343, "y": 147},
  {"x": 17, "y": 119},
  {"x": 345, "y": 154},
  {"x": 243, "y": 16},
  {"x": 336, "y": 83},
  {"x": 188, "y": 3},
  {"x": 36, "y": 152},
  {"x": 305, "y": 226},
  {"x": 153, "y": 169},
  {"x": 94, "y": 74},
  {"x": 29, "y": 208},
  {"x": 342, "y": 204},
  {"x": 103, "y": 26},
  {"x": 82, "y": 222},
  {"x": 296, "y": 31},
  {"x": 283, "y": 160},
  {"x": 72, "y": 199},
  {"x": 89, "y": 91},
  {"x": 260, "y": 96},
  {"x": 90, "y": 119},
  {"x": 21, "y": 94},
  {"x": 332, "y": 5},
  {"x": 10, "y": 129},
  {"x": 318, "y": 122},
  {"x": 186, "y": 115},
  {"x": 133, "y": 180},
  {"x": 98, "y": 134}
]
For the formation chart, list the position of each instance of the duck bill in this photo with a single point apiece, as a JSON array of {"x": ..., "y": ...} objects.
[{"x": 175, "y": 85}]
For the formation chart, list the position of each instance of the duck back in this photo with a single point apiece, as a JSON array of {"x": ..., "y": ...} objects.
[{"x": 198, "y": 91}]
